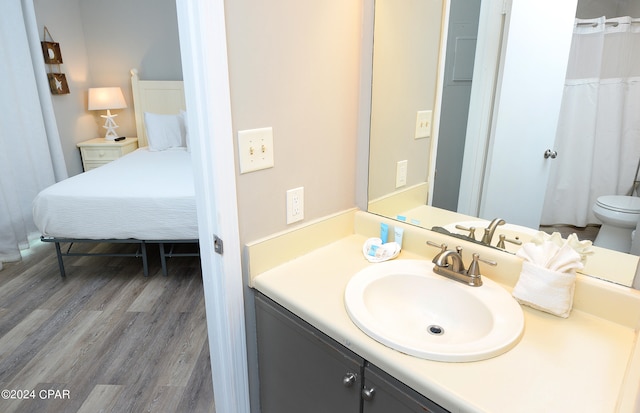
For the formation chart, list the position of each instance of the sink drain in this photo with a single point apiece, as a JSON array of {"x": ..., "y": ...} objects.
[{"x": 436, "y": 330}]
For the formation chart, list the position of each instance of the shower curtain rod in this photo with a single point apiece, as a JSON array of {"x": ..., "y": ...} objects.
[{"x": 607, "y": 23}]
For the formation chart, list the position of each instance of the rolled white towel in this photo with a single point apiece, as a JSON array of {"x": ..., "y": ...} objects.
[{"x": 545, "y": 289}]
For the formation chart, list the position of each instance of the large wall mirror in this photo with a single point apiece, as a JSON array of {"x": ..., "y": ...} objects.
[{"x": 424, "y": 52}]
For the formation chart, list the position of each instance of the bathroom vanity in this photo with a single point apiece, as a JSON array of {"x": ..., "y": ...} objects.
[
  {"x": 589, "y": 362},
  {"x": 302, "y": 369}
]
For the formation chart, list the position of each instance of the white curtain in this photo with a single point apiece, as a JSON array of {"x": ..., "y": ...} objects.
[
  {"x": 598, "y": 137},
  {"x": 30, "y": 151}
]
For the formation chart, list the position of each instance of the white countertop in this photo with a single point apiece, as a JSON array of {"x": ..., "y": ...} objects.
[{"x": 580, "y": 364}]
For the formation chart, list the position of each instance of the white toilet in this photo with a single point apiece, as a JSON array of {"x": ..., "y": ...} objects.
[{"x": 619, "y": 215}]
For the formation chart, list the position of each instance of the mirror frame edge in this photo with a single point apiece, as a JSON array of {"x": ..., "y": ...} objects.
[
  {"x": 437, "y": 100},
  {"x": 364, "y": 107}
]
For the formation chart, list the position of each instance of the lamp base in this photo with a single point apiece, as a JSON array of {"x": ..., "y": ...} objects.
[{"x": 110, "y": 126}]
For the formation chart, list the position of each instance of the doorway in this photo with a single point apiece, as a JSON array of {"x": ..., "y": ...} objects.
[{"x": 456, "y": 92}]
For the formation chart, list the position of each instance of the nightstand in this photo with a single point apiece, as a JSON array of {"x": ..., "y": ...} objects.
[{"x": 99, "y": 151}]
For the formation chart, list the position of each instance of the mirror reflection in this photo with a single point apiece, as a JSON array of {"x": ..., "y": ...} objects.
[{"x": 594, "y": 170}]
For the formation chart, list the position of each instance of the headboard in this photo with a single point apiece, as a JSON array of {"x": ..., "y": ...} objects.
[{"x": 155, "y": 96}]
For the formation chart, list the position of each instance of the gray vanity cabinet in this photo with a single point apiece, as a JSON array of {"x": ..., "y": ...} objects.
[
  {"x": 300, "y": 369},
  {"x": 382, "y": 393},
  {"x": 303, "y": 370}
]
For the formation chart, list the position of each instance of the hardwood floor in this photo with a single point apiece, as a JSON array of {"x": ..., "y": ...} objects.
[{"x": 106, "y": 339}]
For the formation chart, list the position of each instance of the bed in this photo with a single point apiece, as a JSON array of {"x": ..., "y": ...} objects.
[{"x": 145, "y": 197}]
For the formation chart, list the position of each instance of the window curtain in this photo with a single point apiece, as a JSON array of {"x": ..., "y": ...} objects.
[
  {"x": 30, "y": 151},
  {"x": 598, "y": 136}
]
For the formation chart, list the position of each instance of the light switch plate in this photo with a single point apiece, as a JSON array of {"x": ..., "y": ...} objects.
[
  {"x": 423, "y": 124},
  {"x": 255, "y": 149}
]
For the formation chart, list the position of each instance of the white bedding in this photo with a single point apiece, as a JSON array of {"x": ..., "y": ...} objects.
[{"x": 145, "y": 195}]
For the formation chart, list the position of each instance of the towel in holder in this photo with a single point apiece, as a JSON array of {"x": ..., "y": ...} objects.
[{"x": 547, "y": 280}]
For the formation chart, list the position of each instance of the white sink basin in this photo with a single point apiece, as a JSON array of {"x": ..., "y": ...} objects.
[
  {"x": 405, "y": 306},
  {"x": 510, "y": 231}
]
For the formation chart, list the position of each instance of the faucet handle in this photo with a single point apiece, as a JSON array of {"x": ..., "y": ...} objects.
[
  {"x": 474, "y": 267},
  {"x": 443, "y": 249},
  {"x": 471, "y": 230},
  {"x": 503, "y": 238},
  {"x": 443, "y": 246}
]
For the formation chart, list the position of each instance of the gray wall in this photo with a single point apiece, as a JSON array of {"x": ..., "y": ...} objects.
[
  {"x": 294, "y": 66},
  {"x": 610, "y": 8},
  {"x": 100, "y": 42},
  {"x": 405, "y": 67}
]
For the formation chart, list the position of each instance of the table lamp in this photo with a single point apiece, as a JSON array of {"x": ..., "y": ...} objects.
[{"x": 107, "y": 98}]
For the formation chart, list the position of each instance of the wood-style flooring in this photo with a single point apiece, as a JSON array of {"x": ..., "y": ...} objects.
[
  {"x": 588, "y": 233},
  {"x": 105, "y": 339}
]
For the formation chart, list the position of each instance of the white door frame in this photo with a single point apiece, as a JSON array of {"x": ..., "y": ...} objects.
[
  {"x": 203, "y": 44},
  {"x": 485, "y": 75}
]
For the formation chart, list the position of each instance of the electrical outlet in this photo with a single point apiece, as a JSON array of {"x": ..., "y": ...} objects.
[
  {"x": 295, "y": 205},
  {"x": 401, "y": 173},
  {"x": 423, "y": 124},
  {"x": 255, "y": 149}
]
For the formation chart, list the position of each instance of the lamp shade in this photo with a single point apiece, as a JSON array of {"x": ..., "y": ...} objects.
[{"x": 104, "y": 98}]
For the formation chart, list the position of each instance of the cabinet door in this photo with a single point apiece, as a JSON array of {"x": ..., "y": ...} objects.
[
  {"x": 383, "y": 394},
  {"x": 300, "y": 369}
]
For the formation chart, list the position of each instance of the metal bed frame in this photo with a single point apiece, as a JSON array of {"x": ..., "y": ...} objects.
[
  {"x": 140, "y": 253},
  {"x": 164, "y": 254}
]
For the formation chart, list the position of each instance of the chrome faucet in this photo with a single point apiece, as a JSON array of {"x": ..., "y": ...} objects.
[
  {"x": 450, "y": 264},
  {"x": 490, "y": 230},
  {"x": 451, "y": 260}
]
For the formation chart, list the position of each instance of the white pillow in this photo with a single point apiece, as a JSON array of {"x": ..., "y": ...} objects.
[{"x": 165, "y": 131}]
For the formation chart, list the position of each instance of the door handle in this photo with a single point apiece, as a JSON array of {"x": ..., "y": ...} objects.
[{"x": 550, "y": 154}]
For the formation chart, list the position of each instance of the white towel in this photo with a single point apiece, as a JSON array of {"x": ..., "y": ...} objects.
[
  {"x": 581, "y": 247},
  {"x": 547, "y": 280},
  {"x": 545, "y": 290}
]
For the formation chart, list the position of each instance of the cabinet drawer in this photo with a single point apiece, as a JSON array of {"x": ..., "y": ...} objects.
[
  {"x": 100, "y": 154},
  {"x": 89, "y": 165}
]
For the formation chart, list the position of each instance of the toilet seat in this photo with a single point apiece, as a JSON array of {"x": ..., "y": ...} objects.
[{"x": 620, "y": 203}]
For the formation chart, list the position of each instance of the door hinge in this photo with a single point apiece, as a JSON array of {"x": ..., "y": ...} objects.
[{"x": 218, "y": 244}]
